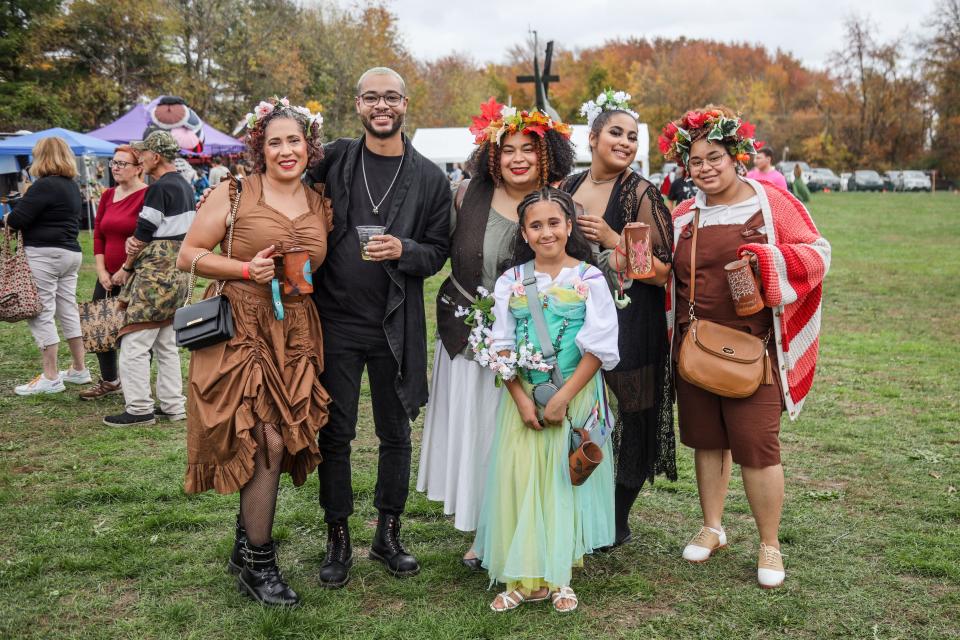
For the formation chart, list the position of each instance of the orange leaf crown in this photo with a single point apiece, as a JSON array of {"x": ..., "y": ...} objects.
[{"x": 497, "y": 120}]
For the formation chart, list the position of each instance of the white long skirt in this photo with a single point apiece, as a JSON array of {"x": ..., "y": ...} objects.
[{"x": 458, "y": 431}]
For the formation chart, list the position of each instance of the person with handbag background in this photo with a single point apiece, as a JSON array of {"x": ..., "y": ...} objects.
[
  {"x": 116, "y": 221},
  {"x": 535, "y": 524},
  {"x": 154, "y": 290},
  {"x": 738, "y": 369},
  {"x": 256, "y": 403},
  {"x": 48, "y": 215},
  {"x": 457, "y": 432}
]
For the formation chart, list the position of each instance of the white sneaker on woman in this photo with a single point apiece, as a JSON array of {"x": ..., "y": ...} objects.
[
  {"x": 76, "y": 377},
  {"x": 770, "y": 572},
  {"x": 40, "y": 384}
]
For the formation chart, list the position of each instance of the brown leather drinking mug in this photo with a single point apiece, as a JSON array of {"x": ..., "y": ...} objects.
[
  {"x": 297, "y": 274},
  {"x": 743, "y": 287},
  {"x": 639, "y": 254}
]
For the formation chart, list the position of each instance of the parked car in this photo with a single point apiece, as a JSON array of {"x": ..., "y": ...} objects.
[
  {"x": 786, "y": 168},
  {"x": 891, "y": 180},
  {"x": 865, "y": 180},
  {"x": 915, "y": 181},
  {"x": 822, "y": 178}
]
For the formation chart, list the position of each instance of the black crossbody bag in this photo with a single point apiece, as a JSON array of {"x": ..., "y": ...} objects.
[{"x": 209, "y": 321}]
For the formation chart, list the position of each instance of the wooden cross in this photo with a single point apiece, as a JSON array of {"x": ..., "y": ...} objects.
[{"x": 541, "y": 82}]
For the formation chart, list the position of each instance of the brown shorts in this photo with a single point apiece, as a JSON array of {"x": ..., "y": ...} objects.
[{"x": 749, "y": 427}]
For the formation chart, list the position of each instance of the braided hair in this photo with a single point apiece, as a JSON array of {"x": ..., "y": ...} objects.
[{"x": 577, "y": 245}]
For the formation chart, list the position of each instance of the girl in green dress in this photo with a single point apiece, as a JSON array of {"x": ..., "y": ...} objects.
[{"x": 535, "y": 526}]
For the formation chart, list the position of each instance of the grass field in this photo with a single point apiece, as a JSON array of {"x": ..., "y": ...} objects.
[{"x": 99, "y": 541}]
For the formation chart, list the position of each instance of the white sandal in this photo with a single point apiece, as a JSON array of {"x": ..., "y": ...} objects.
[
  {"x": 564, "y": 593},
  {"x": 513, "y": 599}
]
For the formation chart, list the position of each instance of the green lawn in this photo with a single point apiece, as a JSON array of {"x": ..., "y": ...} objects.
[{"x": 99, "y": 541}]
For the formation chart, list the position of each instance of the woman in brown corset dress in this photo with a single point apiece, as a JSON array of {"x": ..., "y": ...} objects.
[{"x": 255, "y": 404}]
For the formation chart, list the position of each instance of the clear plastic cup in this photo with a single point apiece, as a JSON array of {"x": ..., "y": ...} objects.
[{"x": 365, "y": 233}]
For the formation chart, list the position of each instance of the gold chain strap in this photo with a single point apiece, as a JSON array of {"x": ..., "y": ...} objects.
[{"x": 193, "y": 264}]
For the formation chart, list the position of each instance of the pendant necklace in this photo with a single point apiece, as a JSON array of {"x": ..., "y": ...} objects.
[
  {"x": 595, "y": 181},
  {"x": 363, "y": 167}
]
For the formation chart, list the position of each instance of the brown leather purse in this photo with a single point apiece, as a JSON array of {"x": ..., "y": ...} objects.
[{"x": 716, "y": 358}]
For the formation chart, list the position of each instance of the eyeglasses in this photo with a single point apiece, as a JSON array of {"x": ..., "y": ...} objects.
[
  {"x": 373, "y": 99},
  {"x": 714, "y": 160},
  {"x": 121, "y": 164}
]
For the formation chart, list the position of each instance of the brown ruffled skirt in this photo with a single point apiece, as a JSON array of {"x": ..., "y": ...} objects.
[{"x": 268, "y": 373}]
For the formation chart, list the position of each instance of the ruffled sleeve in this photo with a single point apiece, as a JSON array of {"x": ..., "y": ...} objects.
[
  {"x": 600, "y": 330},
  {"x": 504, "y": 324}
]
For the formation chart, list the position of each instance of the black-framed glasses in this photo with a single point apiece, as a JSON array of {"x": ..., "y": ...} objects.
[
  {"x": 371, "y": 99},
  {"x": 714, "y": 160},
  {"x": 122, "y": 164}
]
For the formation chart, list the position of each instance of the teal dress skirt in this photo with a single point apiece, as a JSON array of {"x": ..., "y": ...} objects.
[{"x": 535, "y": 526}]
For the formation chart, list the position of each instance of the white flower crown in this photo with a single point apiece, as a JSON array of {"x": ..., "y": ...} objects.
[
  {"x": 265, "y": 108},
  {"x": 609, "y": 100}
]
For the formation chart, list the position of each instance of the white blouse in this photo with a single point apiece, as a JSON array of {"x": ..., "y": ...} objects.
[
  {"x": 737, "y": 213},
  {"x": 600, "y": 330}
]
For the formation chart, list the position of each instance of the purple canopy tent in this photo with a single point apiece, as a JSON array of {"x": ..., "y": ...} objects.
[{"x": 130, "y": 126}]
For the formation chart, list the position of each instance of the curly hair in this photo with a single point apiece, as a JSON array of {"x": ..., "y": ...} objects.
[
  {"x": 256, "y": 137},
  {"x": 555, "y": 159},
  {"x": 577, "y": 245}
]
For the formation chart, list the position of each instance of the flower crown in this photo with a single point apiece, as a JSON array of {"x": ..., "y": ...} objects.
[
  {"x": 265, "y": 108},
  {"x": 609, "y": 100},
  {"x": 497, "y": 120},
  {"x": 735, "y": 134}
]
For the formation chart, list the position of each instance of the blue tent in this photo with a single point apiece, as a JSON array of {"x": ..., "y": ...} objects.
[{"x": 80, "y": 143}]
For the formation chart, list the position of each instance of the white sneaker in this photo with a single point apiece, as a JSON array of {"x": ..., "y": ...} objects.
[
  {"x": 770, "y": 572},
  {"x": 76, "y": 377},
  {"x": 703, "y": 545},
  {"x": 40, "y": 384}
]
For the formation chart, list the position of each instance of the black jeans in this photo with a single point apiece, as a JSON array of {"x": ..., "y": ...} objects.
[
  {"x": 344, "y": 359},
  {"x": 106, "y": 359}
]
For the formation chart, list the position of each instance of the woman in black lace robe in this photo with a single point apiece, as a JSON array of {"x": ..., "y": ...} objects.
[{"x": 643, "y": 438}]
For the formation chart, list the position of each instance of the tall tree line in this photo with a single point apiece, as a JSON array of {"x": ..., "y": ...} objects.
[{"x": 82, "y": 63}]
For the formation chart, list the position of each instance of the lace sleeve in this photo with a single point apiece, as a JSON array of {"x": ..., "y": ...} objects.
[{"x": 652, "y": 210}]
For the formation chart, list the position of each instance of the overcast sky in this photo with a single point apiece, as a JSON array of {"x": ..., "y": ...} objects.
[{"x": 810, "y": 29}]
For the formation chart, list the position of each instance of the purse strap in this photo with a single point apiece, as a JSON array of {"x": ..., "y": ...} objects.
[
  {"x": 693, "y": 264},
  {"x": 235, "y": 202},
  {"x": 540, "y": 323}
]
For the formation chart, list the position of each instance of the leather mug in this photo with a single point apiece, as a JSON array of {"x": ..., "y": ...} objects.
[
  {"x": 743, "y": 287},
  {"x": 639, "y": 254},
  {"x": 584, "y": 459},
  {"x": 297, "y": 274}
]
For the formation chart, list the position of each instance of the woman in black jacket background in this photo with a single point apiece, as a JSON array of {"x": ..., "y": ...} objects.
[{"x": 49, "y": 217}]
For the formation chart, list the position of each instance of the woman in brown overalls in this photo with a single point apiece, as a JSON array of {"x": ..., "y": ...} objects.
[{"x": 725, "y": 430}]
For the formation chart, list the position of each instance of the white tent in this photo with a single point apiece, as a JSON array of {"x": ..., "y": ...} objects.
[{"x": 447, "y": 145}]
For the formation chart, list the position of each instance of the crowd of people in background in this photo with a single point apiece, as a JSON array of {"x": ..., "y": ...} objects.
[{"x": 544, "y": 309}]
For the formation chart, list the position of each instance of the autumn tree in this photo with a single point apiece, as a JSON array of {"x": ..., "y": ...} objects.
[{"x": 942, "y": 57}]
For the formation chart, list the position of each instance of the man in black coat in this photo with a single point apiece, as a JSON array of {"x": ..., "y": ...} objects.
[{"x": 370, "y": 301}]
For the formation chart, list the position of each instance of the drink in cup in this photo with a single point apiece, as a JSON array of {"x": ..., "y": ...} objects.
[{"x": 365, "y": 233}]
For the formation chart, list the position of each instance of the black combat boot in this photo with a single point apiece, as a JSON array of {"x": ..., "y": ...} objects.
[
  {"x": 386, "y": 548},
  {"x": 235, "y": 563},
  {"x": 335, "y": 570},
  {"x": 261, "y": 579}
]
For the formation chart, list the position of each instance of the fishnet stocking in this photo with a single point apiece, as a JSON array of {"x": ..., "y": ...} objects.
[{"x": 258, "y": 498}]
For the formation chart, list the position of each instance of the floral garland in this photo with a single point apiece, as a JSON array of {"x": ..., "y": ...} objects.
[
  {"x": 479, "y": 317},
  {"x": 609, "y": 100},
  {"x": 497, "y": 120},
  {"x": 736, "y": 134},
  {"x": 265, "y": 108}
]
